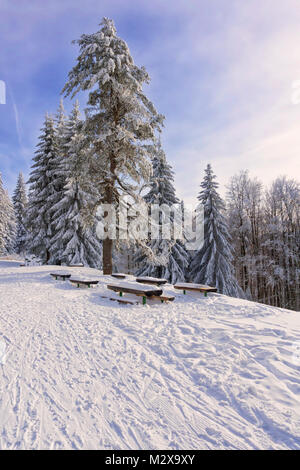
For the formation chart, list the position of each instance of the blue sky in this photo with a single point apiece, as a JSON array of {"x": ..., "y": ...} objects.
[{"x": 225, "y": 73}]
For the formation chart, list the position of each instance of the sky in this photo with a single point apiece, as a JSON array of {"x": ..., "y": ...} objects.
[{"x": 225, "y": 73}]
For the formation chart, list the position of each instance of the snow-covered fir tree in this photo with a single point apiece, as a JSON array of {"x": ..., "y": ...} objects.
[
  {"x": 2, "y": 217},
  {"x": 120, "y": 121},
  {"x": 212, "y": 264},
  {"x": 57, "y": 174},
  {"x": 20, "y": 205},
  {"x": 171, "y": 258},
  {"x": 73, "y": 242},
  {"x": 41, "y": 192},
  {"x": 7, "y": 222}
]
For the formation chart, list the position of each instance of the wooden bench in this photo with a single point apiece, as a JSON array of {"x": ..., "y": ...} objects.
[
  {"x": 164, "y": 298},
  {"x": 75, "y": 265},
  {"x": 151, "y": 280},
  {"x": 185, "y": 286},
  {"x": 118, "y": 275},
  {"x": 59, "y": 276},
  {"x": 83, "y": 283},
  {"x": 138, "y": 290},
  {"x": 121, "y": 300}
]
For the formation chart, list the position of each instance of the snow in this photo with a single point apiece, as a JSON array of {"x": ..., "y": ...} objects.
[
  {"x": 83, "y": 372},
  {"x": 133, "y": 285}
]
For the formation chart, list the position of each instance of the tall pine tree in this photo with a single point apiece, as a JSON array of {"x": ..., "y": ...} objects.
[
  {"x": 20, "y": 205},
  {"x": 58, "y": 177},
  {"x": 7, "y": 222},
  {"x": 212, "y": 264},
  {"x": 74, "y": 242},
  {"x": 41, "y": 192},
  {"x": 120, "y": 120}
]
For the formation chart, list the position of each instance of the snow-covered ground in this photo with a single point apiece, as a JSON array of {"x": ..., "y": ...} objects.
[{"x": 84, "y": 372}]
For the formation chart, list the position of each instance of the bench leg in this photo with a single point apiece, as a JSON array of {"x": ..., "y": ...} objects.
[
  {"x": 205, "y": 294},
  {"x": 162, "y": 301},
  {"x": 121, "y": 294},
  {"x": 184, "y": 291},
  {"x": 144, "y": 300},
  {"x": 78, "y": 286}
]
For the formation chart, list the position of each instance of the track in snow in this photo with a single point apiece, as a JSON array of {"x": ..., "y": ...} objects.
[{"x": 85, "y": 373}]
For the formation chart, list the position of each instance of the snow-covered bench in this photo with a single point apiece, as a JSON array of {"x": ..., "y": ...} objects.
[
  {"x": 151, "y": 280},
  {"x": 164, "y": 297},
  {"x": 136, "y": 289},
  {"x": 194, "y": 287},
  {"x": 59, "y": 276},
  {"x": 83, "y": 283}
]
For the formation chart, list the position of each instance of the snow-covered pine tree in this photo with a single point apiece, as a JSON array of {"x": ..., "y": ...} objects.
[
  {"x": 120, "y": 120},
  {"x": 41, "y": 191},
  {"x": 212, "y": 264},
  {"x": 58, "y": 173},
  {"x": 7, "y": 222},
  {"x": 172, "y": 253},
  {"x": 20, "y": 205},
  {"x": 3, "y": 217},
  {"x": 74, "y": 242}
]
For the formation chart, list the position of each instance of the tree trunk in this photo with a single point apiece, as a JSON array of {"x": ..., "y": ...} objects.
[
  {"x": 107, "y": 256},
  {"x": 109, "y": 199}
]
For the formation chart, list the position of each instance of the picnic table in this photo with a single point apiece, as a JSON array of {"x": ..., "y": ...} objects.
[
  {"x": 62, "y": 276},
  {"x": 118, "y": 275},
  {"x": 151, "y": 280},
  {"x": 139, "y": 290},
  {"x": 185, "y": 286},
  {"x": 83, "y": 282}
]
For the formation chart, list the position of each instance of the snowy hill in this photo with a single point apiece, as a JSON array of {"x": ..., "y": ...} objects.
[{"x": 84, "y": 372}]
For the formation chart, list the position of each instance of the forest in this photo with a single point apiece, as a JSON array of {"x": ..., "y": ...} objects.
[{"x": 113, "y": 149}]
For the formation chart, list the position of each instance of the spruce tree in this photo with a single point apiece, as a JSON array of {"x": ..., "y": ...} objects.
[
  {"x": 212, "y": 264},
  {"x": 20, "y": 205},
  {"x": 7, "y": 222},
  {"x": 58, "y": 175},
  {"x": 41, "y": 192},
  {"x": 73, "y": 241},
  {"x": 120, "y": 120}
]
